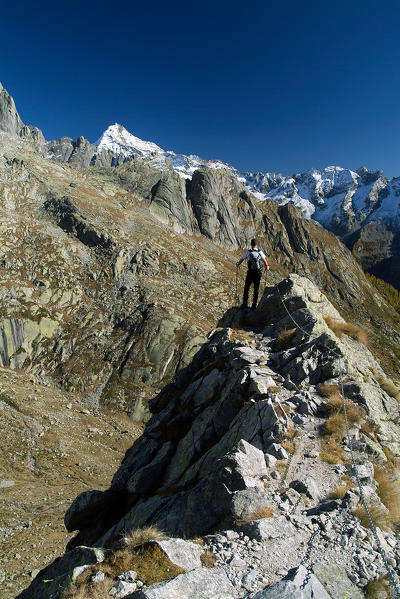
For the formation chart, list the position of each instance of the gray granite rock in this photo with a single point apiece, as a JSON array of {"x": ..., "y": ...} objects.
[
  {"x": 197, "y": 584},
  {"x": 184, "y": 554},
  {"x": 298, "y": 584},
  {"x": 268, "y": 528}
]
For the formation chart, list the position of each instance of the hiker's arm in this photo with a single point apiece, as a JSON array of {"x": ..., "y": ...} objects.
[
  {"x": 239, "y": 262},
  {"x": 266, "y": 263}
]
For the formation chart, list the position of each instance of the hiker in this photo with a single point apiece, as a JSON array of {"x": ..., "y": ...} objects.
[{"x": 254, "y": 258}]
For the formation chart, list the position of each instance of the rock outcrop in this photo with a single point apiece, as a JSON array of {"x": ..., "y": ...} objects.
[
  {"x": 207, "y": 460},
  {"x": 10, "y": 122}
]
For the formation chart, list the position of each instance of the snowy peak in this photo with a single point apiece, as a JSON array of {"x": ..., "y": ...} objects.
[{"x": 119, "y": 141}]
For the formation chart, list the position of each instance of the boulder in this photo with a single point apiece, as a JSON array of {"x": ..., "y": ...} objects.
[
  {"x": 182, "y": 553},
  {"x": 306, "y": 485},
  {"x": 201, "y": 583},
  {"x": 122, "y": 589},
  {"x": 268, "y": 528},
  {"x": 300, "y": 583}
]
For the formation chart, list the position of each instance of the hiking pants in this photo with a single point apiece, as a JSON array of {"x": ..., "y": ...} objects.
[{"x": 253, "y": 276}]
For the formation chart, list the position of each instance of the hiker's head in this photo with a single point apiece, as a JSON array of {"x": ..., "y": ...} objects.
[{"x": 254, "y": 243}]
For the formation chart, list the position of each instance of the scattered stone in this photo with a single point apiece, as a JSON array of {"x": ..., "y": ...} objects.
[
  {"x": 98, "y": 577},
  {"x": 129, "y": 576},
  {"x": 122, "y": 589}
]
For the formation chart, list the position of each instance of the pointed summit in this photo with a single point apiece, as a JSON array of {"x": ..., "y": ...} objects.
[
  {"x": 10, "y": 121},
  {"x": 117, "y": 139}
]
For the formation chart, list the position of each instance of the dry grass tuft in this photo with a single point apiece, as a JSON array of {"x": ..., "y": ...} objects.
[
  {"x": 289, "y": 446},
  {"x": 291, "y": 433},
  {"x": 198, "y": 541},
  {"x": 340, "y": 491},
  {"x": 273, "y": 389},
  {"x": 285, "y": 339},
  {"x": 139, "y": 536},
  {"x": 208, "y": 559},
  {"x": 281, "y": 465},
  {"x": 335, "y": 425},
  {"x": 375, "y": 588},
  {"x": 259, "y": 512},
  {"x": 329, "y": 390},
  {"x": 388, "y": 492},
  {"x": 341, "y": 328},
  {"x": 89, "y": 590},
  {"x": 150, "y": 563},
  {"x": 331, "y": 452},
  {"x": 380, "y": 516}
]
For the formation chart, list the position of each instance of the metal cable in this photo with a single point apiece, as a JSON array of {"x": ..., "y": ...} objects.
[{"x": 389, "y": 569}]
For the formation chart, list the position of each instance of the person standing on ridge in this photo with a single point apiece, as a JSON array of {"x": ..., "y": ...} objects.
[{"x": 254, "y": 258}]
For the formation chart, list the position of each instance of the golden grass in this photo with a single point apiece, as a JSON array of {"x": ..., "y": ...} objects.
[
  {"x": 259, "y": 512},
  {"x": 388, "y": 492},
  {"x": 289, "y": 446},
  {"x": 340, "y": 491},
  {"x": 386, "y": 384},
  {"x": 331, "y": 452},
  {"x": 335, "y": 425},
  {"x": 374, "y": 589},
  {"x": 273, "y": 389},
  {"x": 147, "y": 559},
  {"x": 291, "y": 433},
  {"x": 197, "y": 540},
  {"x": 329, "y": 390},
  {"x": 389, "y": 387},
  {"x": 285, "y": 339},
  {"x": 139, "y": 536},
  {"x": 341, "y": 328},
  {"x": 379, "y": 516},
  {"x": 281, "y": 465},
  {"x": 208, "y": 559},
  {"x": 89, "y": 590}
]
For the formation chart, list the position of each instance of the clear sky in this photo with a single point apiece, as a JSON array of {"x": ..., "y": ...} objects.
[{"x": 266, "y": 86}]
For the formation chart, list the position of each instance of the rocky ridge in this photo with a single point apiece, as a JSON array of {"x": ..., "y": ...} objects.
[{"x": 212, "y": 462}]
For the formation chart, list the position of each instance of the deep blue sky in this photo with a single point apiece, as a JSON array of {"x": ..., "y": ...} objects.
[{"x": 278, "y": 86}]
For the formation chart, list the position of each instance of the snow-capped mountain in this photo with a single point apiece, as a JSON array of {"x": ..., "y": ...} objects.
[
  {"x": 119, "y": 141},
  {"x": 340, "y": 199}
]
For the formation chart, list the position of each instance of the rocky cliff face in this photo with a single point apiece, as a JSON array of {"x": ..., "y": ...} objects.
[{"x": 216, "y": 456}]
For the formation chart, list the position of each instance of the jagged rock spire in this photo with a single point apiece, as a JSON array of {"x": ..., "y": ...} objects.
[{"x": 10, "y": 121}]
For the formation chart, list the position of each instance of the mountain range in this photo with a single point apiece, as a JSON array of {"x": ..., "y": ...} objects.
[{"x": 361, "y": 207}]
